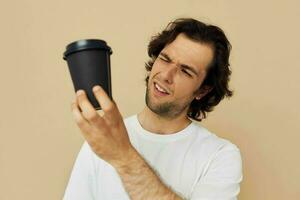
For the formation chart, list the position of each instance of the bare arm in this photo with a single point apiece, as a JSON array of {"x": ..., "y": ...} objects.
[
  {"x": 107, "y": 131},
  {"x": 141, "y": 182}
]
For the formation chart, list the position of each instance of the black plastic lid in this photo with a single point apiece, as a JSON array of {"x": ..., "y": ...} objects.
[{"x": 86, "y": 44}]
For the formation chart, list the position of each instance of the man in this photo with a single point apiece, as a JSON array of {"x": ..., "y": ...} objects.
[{"x": 160, "y": 153}]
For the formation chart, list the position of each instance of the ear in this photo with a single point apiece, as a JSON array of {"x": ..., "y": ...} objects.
[{"x": 203, "y": 91}]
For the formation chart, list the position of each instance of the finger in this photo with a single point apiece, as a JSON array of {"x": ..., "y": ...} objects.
[
  {"x": 111, "y": 112},
  {"x": 80, "y": 120},
  {"x": 88, "y": 111}
]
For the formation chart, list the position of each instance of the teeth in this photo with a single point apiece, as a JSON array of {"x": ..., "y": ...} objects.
[{"x": 159, "y": 88}]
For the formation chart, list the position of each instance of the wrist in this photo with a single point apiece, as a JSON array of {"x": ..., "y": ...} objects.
[{"x": 128, "y": 160}]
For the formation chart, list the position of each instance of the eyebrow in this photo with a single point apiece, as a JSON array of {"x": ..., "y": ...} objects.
[{"x": 182, "y": 65}]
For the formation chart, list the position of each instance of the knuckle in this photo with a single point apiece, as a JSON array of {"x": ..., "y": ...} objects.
[
  {"x": 80, "y": 122},
  {"x": 109, "y": 108},
  {"x": 93, "y": 116},
  {"x": 111, "y": 122}
]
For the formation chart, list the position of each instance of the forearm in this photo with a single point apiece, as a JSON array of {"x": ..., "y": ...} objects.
[{"x": 141, "y": 182}]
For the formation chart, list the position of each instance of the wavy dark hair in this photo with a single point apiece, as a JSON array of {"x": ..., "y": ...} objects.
[{"x": 218, "y": 74}]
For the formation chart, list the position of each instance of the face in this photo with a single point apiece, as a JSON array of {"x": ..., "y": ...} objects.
[{"x": 176, "y": 76}]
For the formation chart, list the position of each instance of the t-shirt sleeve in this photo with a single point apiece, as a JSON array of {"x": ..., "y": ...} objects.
[
  {"x": 81, "y": 183},
  {"x": 221, "y": 180}
]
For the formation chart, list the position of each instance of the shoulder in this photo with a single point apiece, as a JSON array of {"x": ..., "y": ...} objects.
[
  {"x": 212, "y": 149},
  {"x": 223, "y": 156},
  {"x": 212, "y": 141},
  {"x": 220, "y": 164}
]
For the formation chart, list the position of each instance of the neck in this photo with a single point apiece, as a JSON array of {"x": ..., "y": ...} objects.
[{"x": 155, "y": 123}]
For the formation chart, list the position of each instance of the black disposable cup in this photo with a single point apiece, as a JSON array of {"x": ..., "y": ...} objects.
[{"x": 89, "y": 65}]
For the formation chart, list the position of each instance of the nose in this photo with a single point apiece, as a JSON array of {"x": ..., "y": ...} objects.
[{"x": 168, "y": 73}]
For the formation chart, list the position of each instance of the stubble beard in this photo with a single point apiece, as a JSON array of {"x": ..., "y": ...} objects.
[{"x": 168, "y": 110}]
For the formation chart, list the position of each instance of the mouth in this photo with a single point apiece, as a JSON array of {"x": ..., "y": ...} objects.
[{"x": 159, "y": 91}]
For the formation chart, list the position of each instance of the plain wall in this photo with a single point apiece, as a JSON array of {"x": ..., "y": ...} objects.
[{"x": 39, "y": 139}]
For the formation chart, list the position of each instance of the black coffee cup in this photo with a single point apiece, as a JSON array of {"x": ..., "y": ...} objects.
[{"x": 89, "y": 65}]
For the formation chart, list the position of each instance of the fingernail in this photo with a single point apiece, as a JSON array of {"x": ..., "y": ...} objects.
[
  {"x": 96, "y": 88},
  {"x": 79, "y": 92}
]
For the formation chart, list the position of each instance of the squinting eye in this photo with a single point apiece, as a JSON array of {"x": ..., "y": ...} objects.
[
  {"x": 163, "y": 59},
  {"x": 186, "y": 72}
]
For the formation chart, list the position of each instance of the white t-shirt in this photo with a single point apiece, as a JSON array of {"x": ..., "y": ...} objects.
[{"x": 193, "y": 162}]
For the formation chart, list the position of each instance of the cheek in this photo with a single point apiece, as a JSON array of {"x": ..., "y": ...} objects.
[
  {"x": 184, "y": 89},
  {"x": 153, "y": 71},
  {"x": 155, "y": 66}
]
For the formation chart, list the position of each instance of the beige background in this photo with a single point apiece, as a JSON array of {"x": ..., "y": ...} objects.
[{"x": 39, "y": 138}]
